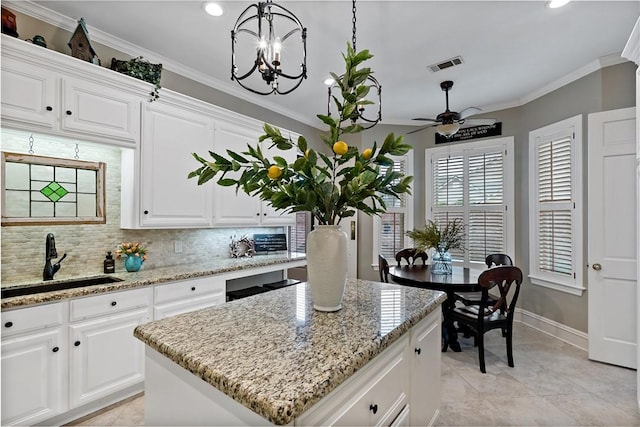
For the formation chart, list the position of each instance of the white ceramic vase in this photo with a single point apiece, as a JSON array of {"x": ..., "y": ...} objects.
[{"x": 327, "y": 266}]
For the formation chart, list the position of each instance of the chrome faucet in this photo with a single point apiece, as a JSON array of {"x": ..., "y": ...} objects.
[{"x": 51, "y": 253}]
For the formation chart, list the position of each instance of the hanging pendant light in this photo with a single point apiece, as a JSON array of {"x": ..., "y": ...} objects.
[
  {"x": 365, "y": 117},
  {"x": 268, "y": 54}
]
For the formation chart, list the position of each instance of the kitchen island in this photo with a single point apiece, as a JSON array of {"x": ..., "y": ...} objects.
[{"x": 273, "y": 359}]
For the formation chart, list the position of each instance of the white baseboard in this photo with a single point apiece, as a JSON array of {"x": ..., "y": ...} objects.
[{"x": 550, "y": 327}]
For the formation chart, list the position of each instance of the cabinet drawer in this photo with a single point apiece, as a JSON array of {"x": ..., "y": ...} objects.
[
  {"x": 32, "y": 318},
  {"x": 189, "y": 288},
  {"x": 184, "y": 306},
  {"x": 113, "y": 302},
  {"x": 381, "y": 387}
]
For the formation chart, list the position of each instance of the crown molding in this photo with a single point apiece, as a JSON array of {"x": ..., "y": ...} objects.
[{"x": 66, "y": 23}]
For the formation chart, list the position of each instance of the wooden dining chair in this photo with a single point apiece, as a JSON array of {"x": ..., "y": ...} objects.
[
  {"x": 411, "y": 255},
  {"x": 473, "y": 298},
  {"x": 485, "y": 316},
  {"x": 383, "y": 269}
]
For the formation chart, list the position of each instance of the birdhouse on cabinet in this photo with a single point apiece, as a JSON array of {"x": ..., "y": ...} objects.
[{"x": 80, "y": 44}]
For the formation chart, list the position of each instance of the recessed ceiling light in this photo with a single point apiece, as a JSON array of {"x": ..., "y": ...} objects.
[
  {"x": 213, "y": 9},
  {"x": 554, "y": 4}
]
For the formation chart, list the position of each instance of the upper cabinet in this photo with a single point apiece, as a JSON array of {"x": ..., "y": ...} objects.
[
  {"x": 57, "y": 94},
  {"x": 239, "y": 209},
  {"x": 171, "y": 133}
]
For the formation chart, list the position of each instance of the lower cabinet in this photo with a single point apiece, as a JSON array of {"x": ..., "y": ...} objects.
[
  {"x": 105, "y": 356},
  {"x": 188, "y": 295},
  {"x": 399, "y": 387},
  {"x": 34, "y": 364},
  {"x": 425, "y": 366},
  {"x": 33, "y": 377},
  {"x": 376, "y": 395}
]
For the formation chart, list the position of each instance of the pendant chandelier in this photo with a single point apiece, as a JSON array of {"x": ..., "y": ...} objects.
[
  {"x": 268, "y": 54},
  {"x": 365, "y": 117}
]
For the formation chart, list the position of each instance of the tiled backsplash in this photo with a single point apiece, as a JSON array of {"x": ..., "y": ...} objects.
[{"x": 23, "y": 247}]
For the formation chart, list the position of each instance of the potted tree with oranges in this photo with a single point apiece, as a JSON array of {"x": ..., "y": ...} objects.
[{"x": 331, "y": 187}]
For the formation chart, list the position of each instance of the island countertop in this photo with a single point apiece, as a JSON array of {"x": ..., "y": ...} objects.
[{"x": 275, "y": 354}]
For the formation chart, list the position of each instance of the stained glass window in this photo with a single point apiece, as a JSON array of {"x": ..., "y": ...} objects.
[{"x": 49, "y": 190}]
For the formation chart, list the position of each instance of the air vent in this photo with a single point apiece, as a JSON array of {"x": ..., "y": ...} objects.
[{"x": 446, "y": 64}]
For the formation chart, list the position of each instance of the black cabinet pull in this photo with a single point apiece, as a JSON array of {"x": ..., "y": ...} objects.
[
  {"x": 8, "y": 324},
  {"x": 373, "y": 408},
  {"x": 146, "y": 212},
  {"x": 113, "y": 303},
  {"x": 265, "y": 214},
  {"x": 55, "y": 349},
  {"x": 77, "y": 343},
  {"x": 418, "y": 350},
  {"x": 49, "y": 108},
  {"x": 258, "y": 214},
  {"x": 193, "y": 288},
  {"x": 69, "y": 112}
]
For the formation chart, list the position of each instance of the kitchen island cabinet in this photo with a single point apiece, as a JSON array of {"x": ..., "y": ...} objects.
[{"x": 272, "y": 359}]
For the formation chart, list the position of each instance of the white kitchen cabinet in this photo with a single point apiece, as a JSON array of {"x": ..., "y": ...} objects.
[
  {"x": 104, "y": 355},
  {"x": 375, "y": 395},
  {"x": 239, "y": 209},
  {"x": 28, "y": 94},
  {"x": 95, "y": 108},
  {"x": 188, "y": 295},
  {"x": 425, "y": 367},
  {"x": 34, "y": 364},
  {"x": 172, "y": 131},
  {"x": 58, "y": 94}
]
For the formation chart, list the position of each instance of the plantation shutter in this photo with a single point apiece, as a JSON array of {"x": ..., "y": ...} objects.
[
  {"x": 485, "y": 226},
  {"x": 392, "y": 228},
  {"x": 555, "y": 206},
  {"x": 468, "y": 183},
  {"x": 298, "y": 233}
]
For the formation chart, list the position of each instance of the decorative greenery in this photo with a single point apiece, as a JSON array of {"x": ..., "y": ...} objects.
[
  {"x": 131, "y": 249},
  {"x": 432, "y": 236},
  {"x": 141, "y": 69},
  {"x": 330, "y": 187}
]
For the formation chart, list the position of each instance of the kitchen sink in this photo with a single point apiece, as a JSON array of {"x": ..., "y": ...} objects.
[{"x": 38, "y": 288}]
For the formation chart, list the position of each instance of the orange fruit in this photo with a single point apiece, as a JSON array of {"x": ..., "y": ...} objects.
[
  {"x": 274, "y": 172},
  {"x": 340, "y": 147}
]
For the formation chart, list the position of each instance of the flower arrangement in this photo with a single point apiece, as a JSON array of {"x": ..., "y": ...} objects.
[
  {"x": 433, "y": 236},
  {"x": 131, "y": 249},
  {"x": 331, "y": 187}
]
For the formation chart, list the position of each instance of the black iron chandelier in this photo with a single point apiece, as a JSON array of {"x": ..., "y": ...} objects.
[
  {"x": 360, "y": 115},
  {"x": 266, "y": 49}
]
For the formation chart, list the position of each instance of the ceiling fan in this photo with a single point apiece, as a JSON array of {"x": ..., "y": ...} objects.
[{"x": 448, "y": 122}]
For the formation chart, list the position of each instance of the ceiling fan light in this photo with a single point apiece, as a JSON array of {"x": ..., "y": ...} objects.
[{"x": 448, "y": 129}]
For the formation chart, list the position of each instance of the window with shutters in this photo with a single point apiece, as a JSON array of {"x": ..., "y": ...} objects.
[
  {"x": 555, "y": 220},
  {"x": 475, "y": 183},
  {"x": 298, "y": 232},
  {"x": 390, "y": 227}
]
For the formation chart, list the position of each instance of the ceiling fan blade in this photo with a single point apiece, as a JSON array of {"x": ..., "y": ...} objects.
[
  {"x": 419, "y": 129},
  {"x": 467, "y": 112},
  {"x": 479, "y": 122},
  {"x": 426, "y": 120}
]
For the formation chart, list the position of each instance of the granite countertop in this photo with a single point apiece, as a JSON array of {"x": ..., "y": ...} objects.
[
  {"x": 147, "y": 277},
  {"x": 275, "y": 354}
]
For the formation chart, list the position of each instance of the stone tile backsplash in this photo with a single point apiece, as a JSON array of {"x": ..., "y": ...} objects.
[{"x": 86, "y": 245}]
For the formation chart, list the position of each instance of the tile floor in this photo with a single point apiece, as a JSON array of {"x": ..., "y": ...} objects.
[{"x": 552, "y": 384}]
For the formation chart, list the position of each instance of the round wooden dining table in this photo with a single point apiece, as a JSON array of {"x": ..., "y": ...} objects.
[{"x": 461, "y": 279}]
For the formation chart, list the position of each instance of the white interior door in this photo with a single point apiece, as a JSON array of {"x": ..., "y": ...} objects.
[{"x": 612, "y": 234}]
